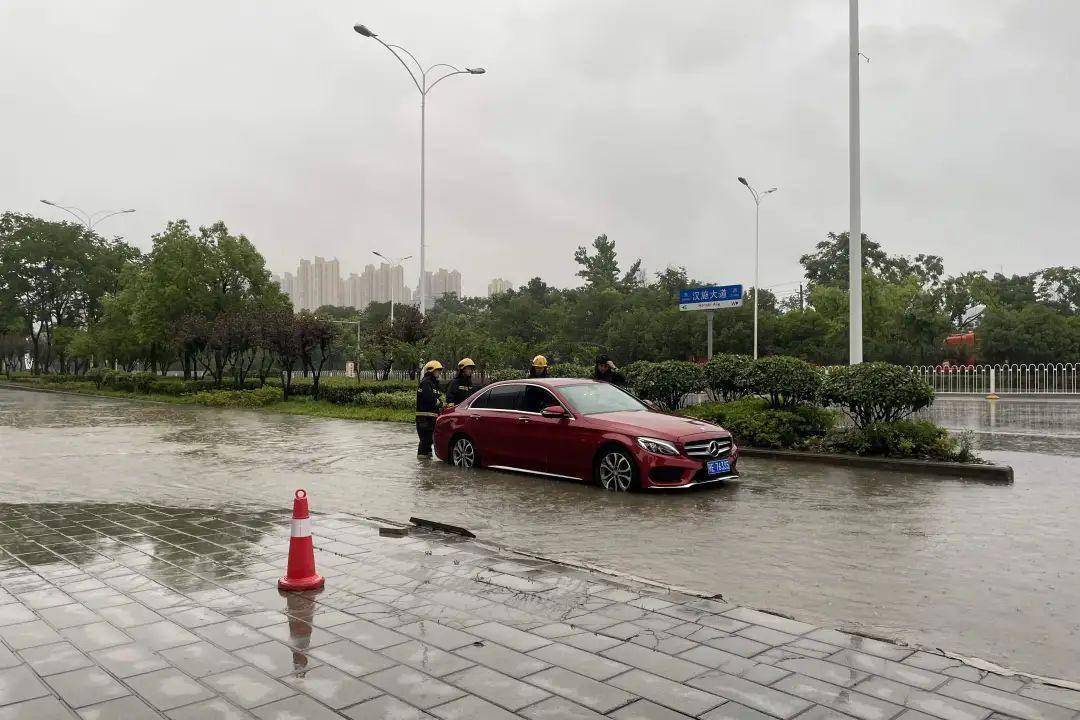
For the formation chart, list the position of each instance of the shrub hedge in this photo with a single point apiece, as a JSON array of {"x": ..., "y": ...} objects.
[
  {"x": 919, "y": 439},
  {"x": 728, "y": 376},
  {"x": 664, "y": 382},
  {"x": 875, "y": 392},
  {"x": 784, "y": 381},
  {"x": 753, "y": 422}
]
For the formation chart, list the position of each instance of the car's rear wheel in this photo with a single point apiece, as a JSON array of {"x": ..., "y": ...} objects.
[
  {"x": 616, "y": 471},
  {"x": 463, "y": 452}
]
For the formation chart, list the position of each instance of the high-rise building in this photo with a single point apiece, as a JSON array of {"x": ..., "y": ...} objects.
[
  {"x": 499, "y": 285},
  {"x": 319, "y": 283},
  {"x": 439, "y": 283}
]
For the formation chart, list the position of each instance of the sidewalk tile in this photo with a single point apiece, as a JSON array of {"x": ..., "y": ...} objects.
[
  {"x": 29, "y": 634},
  {"x": 1003, "y": 702},
  {"x": 657, "y": 663},
  {"x": 95, "y": 636},
  {"x": 598, "y": 696},
  {"x": 413, "y": 686},
  {"x": 128, "y": 660},
  {"x": 427, "y": 658},
  {"x": 510, "y": 637},
  {"x": 673, "y": 695},
  {"x": 66, "y": 616},
  {"x": 824, "y": 670},
  {"x": 776, "y": 622},
  {"x": 500, "y": 689},
  {"x": 46, "y": 708},
  {"x": 331, "y": 686},
  {"x": 295, "y": 708},
  {"x": 161, "y": 635},
  {"x": 588, "y": 664},
  {"x": 890, "y": 669},
  {"x": 125, "y": 708},
  {"x": 472, "y": 708},
  {"x": 735, "y": 711},
  {"x": 201, "y": 658},
  {"x": 248, "y": 687},
  {"x": 352, "y": 658},
  {"x": 230, "y": 635},
  {"x": 86, "y": 686},
  {"x": 214, "y": 709},
  {"x": 277, "y": 659},
  {"x": 368, "y": 634},
  {"x": 385, "y": 708},
  {"x": 840, "y": 699},
  {"x": 508, "y": 661},
  {"x": 647, "y": 710},
  {"x": 758, "y": 697},
  {"x": 1055, "y": 695},
  {"x": 19, "y": 683},
  {"x": 129, "y": 615},
  {"x": 441, "y": 636},
  {"x": 57, "y": 658},
  {"x": 942, "y": 707},
  {"x": 557, "y": 708},
  {"x": 168, "y": 689}
]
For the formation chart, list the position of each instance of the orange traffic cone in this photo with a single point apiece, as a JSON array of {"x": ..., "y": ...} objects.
[{"x": 300, "y": 574}]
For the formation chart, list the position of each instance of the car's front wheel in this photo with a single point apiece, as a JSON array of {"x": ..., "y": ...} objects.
[
  {"x": 463, "y": 453},
  {"x": 616, "y": 470}
]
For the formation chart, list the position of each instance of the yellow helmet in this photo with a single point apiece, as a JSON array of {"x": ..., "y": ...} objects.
[
  {"x": 432, "y": 365},
  {"x": 464, "y": 363},
  {"x": 539, "y": 361}
]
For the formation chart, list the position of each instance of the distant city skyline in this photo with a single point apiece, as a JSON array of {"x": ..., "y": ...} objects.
[
  {"x": 319, "y": 282},
  {"x": 499, "y": 285}
]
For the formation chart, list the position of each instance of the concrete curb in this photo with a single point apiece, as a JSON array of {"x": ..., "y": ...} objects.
[{"x": 996, "y": 474}]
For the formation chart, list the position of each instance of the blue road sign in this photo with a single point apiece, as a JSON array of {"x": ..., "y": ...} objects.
[{"x": 713, "y": 297}]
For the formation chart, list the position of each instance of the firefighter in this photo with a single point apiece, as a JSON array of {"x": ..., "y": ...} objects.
[
  {"x": 461, "y": 385},
  {"x": 607, "y": 372},
  {"x": 428, "y": 405},
  {"x": 539, "y": 368}
]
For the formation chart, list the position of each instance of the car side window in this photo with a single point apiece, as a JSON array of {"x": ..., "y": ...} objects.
[
  {"x": 537, "y": 398},
  {"x": 504, "y": 397}
]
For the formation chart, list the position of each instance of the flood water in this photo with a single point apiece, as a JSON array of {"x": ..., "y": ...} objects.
[{"x": 981, "y": 569}]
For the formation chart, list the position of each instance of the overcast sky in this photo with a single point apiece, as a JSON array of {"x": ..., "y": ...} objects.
[{"x": 626, "y": 117}]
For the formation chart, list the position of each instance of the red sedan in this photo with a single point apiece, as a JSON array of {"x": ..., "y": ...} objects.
[{"x": 583, "y": 430}]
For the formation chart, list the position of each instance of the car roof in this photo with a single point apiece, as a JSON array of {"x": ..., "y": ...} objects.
[{"x": 548, "y": 382}]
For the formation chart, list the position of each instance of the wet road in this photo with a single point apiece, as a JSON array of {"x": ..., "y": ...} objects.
[{"x": 980, "y": 569}]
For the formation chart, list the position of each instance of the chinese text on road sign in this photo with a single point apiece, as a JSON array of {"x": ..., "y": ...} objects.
[{"x": 713, "y": 297}]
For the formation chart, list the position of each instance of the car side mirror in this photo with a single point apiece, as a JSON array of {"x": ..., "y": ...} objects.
[{"x": 553, "y": 411}]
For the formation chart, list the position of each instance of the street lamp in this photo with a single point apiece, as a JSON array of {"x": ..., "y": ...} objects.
[
  {"x": 758, "y": 197},
  {"x": 393, "y": 288},
  {"x": 420, "y": 80},
  {"x": 89, "y": 220},
  {"x": 855, "y": 339}
]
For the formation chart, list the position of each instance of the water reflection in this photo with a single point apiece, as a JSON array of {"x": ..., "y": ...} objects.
[{"x": 987, "y": 570}]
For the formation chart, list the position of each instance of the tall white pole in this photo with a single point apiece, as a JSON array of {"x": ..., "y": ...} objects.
[
  {"x": 757, "y": 256},
  {"x": 393, "y": 292},
  {"x": 423, "y": 293},
  {"x": 855, "y": 318}
]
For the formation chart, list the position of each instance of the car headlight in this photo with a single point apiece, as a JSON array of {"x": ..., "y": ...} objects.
[{"x": 659, "y": 447}]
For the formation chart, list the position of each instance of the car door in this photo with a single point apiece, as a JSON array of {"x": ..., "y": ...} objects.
[
  {"x": 540, "y": 436},
  {"x": 493, "y": 422}
]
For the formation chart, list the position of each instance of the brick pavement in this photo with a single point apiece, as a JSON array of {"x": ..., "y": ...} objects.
[{"x": 130, "y": 612}]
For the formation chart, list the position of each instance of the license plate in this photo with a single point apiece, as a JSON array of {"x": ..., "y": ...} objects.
[{"x": 718, "y": 467}]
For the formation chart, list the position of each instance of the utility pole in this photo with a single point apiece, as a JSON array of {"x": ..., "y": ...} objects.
[{"x": 855, "y": 317}]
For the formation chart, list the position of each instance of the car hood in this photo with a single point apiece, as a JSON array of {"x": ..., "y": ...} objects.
[{"x": 654, "y": 424}]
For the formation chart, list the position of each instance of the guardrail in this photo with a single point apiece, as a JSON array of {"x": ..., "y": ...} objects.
[{"x": 1002, "y": 379}]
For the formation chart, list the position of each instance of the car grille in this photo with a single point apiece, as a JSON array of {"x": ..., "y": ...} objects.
[{"x": 705, "y": 450}]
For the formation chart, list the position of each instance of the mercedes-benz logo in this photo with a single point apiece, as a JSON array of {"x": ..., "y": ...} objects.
[{"x": 714, "y": 448}]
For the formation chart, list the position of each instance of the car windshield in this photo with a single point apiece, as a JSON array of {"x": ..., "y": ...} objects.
[{"x": 595, "y": 398}]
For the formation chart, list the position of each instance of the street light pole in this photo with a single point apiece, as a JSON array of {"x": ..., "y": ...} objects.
[
  {"x": 855, "y": 318},
  {"x": 393, "y": 287},
  {"x": 420, "y": 80},
  {"x": 758, "y": 197},
  {"x": 88, "y": 220}
]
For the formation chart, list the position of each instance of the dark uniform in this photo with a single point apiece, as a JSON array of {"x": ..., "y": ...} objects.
[
  {"x": 538, "y": 372},
  {"x": 428, "y": 404},
  {"x": 608, "y": 375},
  {"x": 460, "y": 388}
]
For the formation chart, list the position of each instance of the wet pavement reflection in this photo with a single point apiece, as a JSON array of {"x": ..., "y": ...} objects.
[{"x": 985, "y": 570}]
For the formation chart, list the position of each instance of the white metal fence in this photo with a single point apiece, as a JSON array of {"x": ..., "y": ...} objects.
[{"x": 1020, "y": 379}]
